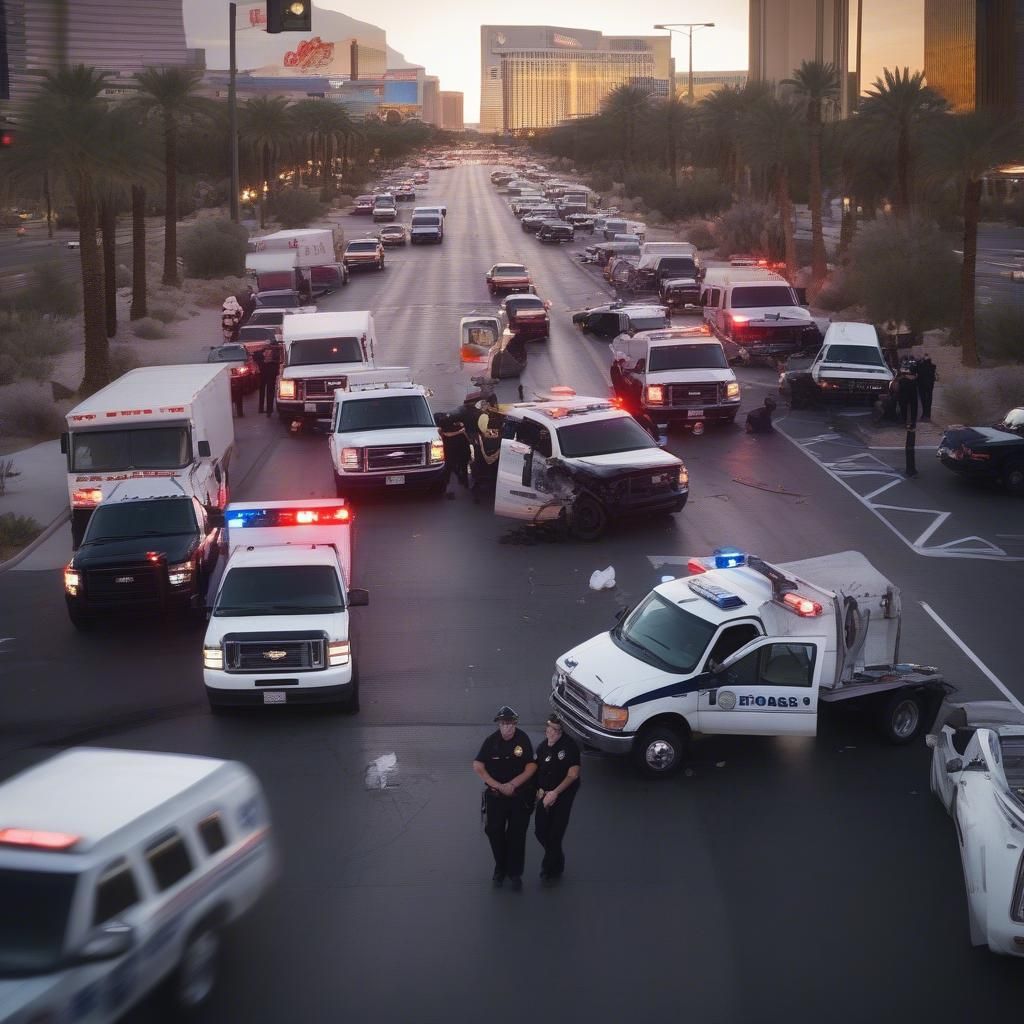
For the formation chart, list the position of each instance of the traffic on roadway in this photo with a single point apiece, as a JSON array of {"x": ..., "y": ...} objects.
[{"x": 544, "y": 450}]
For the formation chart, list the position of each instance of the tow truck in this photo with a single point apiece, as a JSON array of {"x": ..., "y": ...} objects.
[
  {"x": 279, "y": 630},
  {"x": 743, "y": 647}
]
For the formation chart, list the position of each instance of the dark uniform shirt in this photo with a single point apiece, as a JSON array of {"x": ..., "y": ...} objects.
[
  {"x": 553, "y": 763},
  {"x": 505, "y": 759}
]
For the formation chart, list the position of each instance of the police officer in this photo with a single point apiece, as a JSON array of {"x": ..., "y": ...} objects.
[
  {"x": 558, "y": 781},
  {"x": 505, "y": 763},
  {"x": 269, "y": 365}
]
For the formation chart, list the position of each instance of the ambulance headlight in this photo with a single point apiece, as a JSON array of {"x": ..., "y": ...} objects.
[
  {"x": 655, "y": 394},
  {"x": 72, "y": 581},
  {"x": 350, "y": 458},
  {"x": 436, "y": 452},
  {"x": 286, "y": 389},
  {"x": 338, "y": 652},
  {"x": 614, "y": 718},
  {"x": 684, "y": 477},
  {"x": 213, "y": 658},
  {"x": 732, "y": 391},
  {"x": 180, "y": 574}
]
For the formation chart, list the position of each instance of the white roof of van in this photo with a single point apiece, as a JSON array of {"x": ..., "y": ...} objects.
[
  {"x": 742, "y": 275},
  {"x": 152, "y": 387},
  {"x": 851, "y": 334},
  {"x": 326, "y": 325},
  {"x": 93, "y": 792}
]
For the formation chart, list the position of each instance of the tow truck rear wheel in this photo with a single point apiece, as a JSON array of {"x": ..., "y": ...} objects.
[
  {"x": 589, "y": 518},
  {"x": 1014, "y": 476},
  {"x": 901, "y": 717},
  {"x": 659, "y": 749}
]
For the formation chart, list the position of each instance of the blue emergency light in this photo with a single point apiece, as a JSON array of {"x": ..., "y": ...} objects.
[
  {"x": 270, "y": 517},
  {"x": 718, "y": 596},
  {"x": 729, "y": 558}
]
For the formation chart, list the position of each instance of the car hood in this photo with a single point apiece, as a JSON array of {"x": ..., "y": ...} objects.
[
  {"x": 773, "y": 314},
  {"x": 707, "y": 375},
  {"x": 383, "y": 438},
  {"x": 639, "y": 459},
  {"x": 980, "y": 437},
  {"x": 601, "y": 666},
  {"x": 334, "y": 625},
  {"x": 848, "y": 371},
  {"x": 321, "y": 370},
  {"x": 131, "y": 550}
]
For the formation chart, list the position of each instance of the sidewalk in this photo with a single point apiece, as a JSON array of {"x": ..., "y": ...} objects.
[{"x": 39, "y": 490}]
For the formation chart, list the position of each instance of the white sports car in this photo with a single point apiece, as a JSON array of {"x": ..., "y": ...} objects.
[{"x": 978, "y": 774}]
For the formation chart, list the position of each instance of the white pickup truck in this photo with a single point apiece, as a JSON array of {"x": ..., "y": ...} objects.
[
  {"x": 279, "y": 630},
  {"x": 742, "y": 647}
]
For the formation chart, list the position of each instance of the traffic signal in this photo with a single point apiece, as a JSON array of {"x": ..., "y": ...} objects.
[{"x": 289, "y": 16}]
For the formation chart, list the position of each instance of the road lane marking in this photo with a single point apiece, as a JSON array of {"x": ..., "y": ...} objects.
[{"x": 988, "y": 673}]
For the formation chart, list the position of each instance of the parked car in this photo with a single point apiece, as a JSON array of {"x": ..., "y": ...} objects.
[
  {"x": 244, "y": 372},
  {"x": 993, "y": 454},
  {"x": 384, "y": 211},
  {"x": 533, "y": 219},
  {"x": 406, "y": 193},
  {"x": 556, "y": 231},
  {"x": 615, "y": 318},
  {"x": 393, "y": 234}
]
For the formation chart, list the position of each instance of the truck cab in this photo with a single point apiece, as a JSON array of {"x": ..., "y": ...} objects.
[
  {"x": 383, "y": 434},
  {"x": 743, "y": 647},
  {"x": 320, "y": 351},
  {"x": 678, "y": 374},
  {"x": 583, "y": 461},
  {"x": 279, "y": 630}
]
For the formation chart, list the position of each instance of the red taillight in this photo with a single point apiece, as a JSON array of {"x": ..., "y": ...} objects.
[
  {"x": 739, "y": 318},
  {"x": 153, "y": 556},
  {"x": 801, "y": 605},
  {"x": 86, "y": 497},
  {"x": 695, "y": 566},
  {"x": 38, "y": 838}
]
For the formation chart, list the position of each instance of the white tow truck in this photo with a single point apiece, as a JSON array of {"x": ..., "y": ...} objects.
[
  {"x": 742, "y": 647},
  {"x": 279, "y": 630}
]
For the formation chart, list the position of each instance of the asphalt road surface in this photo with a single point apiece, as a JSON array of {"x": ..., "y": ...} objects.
[{"x": 774, "y": 880}]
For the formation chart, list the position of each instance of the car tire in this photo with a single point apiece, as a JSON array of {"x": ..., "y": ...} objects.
[
  {"x": 901, "y": 717},
  {"x": 589, "y": 518},
  {"x": 195, "y": 978},
  {"x": 350, "y": 706},
  {"x": 1013, "y": 476},
  {"x": 659, "y": 749}
]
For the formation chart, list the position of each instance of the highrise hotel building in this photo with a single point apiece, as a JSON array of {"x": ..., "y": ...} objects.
[{"x": 536, "y": 76}]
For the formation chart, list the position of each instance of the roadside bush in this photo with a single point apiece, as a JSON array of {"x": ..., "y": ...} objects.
[
  {"x": 834, "y": 295},
  {"x": 15, "y": 533},
  {"x": 149, "y": 328},
  {"x": 31, "y": 415},
  {"x": 165, "y": 314},
  {"x": 50, "y": 291},
  {"x": 601, "y": 181},
  {"x": 295, "y": 208},
  {"x": 999, "y": 329},
  {"x": 699, "y": 234},
  {"x": 697, "y": 195},
  {"x": 214, "y": 248},
  {"x": 123, "y": 359},
  {"x": 963, "y": 403},
  {"x": 28, "y": 346},
  {"x": 748, "y": 227}
]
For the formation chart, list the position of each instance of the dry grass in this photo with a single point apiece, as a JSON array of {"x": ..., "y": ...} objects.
[
  {"x": 15, "y": 533},
  {"x": 30, "y": 415}
]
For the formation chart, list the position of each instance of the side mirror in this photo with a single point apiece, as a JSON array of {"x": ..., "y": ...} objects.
[
  {"x": 203, "y": 447},
  {"x": 65, "y": 443},
  {"x": 111, "y": 941},
  {"x": 955, "y": 765},
  {"x": 215, "y": 517},
  {"x": 358, "y": 598}
]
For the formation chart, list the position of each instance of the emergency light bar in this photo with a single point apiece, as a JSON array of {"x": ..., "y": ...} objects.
[
  {"x": 721, "y": 558},
  {"x": 718, "y": 596},
  {"x": 784, "y": 590},
  {"x": 37, "y": 838},
  {"x": 267, "y": 517}
]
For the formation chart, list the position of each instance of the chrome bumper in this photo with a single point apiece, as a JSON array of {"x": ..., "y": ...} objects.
[{"x": 589, "y": 735}]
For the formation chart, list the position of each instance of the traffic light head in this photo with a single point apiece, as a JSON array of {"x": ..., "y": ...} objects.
[{"x": 289, "y": 16}]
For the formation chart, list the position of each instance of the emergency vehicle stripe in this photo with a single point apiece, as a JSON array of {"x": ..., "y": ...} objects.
[{"x": 672, "y": 690}]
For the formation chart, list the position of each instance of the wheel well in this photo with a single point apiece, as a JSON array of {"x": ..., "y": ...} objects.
[
  {"x": 668, "y": 718},
  {"x": 216, "y": 917}
]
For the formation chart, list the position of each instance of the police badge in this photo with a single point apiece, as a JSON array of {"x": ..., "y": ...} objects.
[
  {"x": 561, "y": 755},
  {"x": 517, "y": 751}
]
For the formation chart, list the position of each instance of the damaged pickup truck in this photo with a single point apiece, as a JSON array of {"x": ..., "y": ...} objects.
[{"x": 582, "y": 462}]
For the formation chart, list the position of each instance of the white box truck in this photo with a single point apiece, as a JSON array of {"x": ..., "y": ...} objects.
[
  {"x": 285, "y": 259},
  {"x": 172, "y": 421}
]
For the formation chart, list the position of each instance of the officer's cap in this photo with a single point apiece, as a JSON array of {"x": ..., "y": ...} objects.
[{"x": 506, "y": 714}]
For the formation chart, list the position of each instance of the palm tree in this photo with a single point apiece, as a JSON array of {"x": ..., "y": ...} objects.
[
  {"x": 67, "y": 131},
  {"x": 816, "y": 85},
  {"x": 625, "y": 106},
  {"x": 895, "y": 110},
  {"x": 722, "y": 115},
  {"x": 966, "y": 147},
  {"x": 169, "y": 94},
  {"x": 672, "y": 119},
  {"x": 323, "y": 127},
  {"x": 266, "y": 125}
]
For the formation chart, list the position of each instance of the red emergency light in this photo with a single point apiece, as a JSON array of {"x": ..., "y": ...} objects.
[{"x": 38, "y": 838}]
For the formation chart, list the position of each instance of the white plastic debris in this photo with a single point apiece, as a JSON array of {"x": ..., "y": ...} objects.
[
  {"x": 602, "y": 579},
  {"x": 378, "y": 772}
]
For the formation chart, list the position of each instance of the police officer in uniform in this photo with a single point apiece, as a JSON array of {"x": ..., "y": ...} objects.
[
  {"x": 505, "y": 763},
  {"x": 558, "y": 782}
]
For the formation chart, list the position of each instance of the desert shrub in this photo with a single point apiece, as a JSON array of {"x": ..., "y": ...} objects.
[
  {"x": 295, "y": 208},
  {"x": 149, "y": 328},
  {"x": 50, "y": 290},
  {"x": 214, "y": 248},
  {"x": 165, "y": 314},
  {"x": 28, "y": 345},
  {"x": 122, "y": 276},
  {"x": 963, "y": 403},
  {"x": 601, "y": 181},
  {"x": 30, "y": 415},
  {"x": 699, "y": 234},
  {"x": 123, "y": 359},
  {"x": 16, "y": 532},
  {"x": 834, "y": 295},
  {"x": 905, "y": 271},
  {"x": 748, "y": 227},
  {"x": 999, "y": 329}
]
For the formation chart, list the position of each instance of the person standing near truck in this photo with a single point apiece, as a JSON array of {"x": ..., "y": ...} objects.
[{"x": 269, "y": 362}]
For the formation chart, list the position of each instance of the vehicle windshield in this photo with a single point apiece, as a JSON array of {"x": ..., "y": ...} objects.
[
  {"x": 648, "y": 323},
  {"x": 384, "y": 413},
  {"x": 264, "y": 317},
  {"x": 509, "y": 271},
  {"x": 139, "y": 448},
  {"x": 279, "y": 300},
  {"x": 362, "y": 247},
  {"x": 228, "y": 354},
  {"x": 519, "y": 304},
  {"x": 159, "y": 517},
  {"x": 311, "y": 351},
  {"x": 772, "y": 295},
  {"x": 426, "y": 220},
  {"x": 279, "y": 589},
  {"x": 36, "y": 905},
  {"x": 677, "y": 266},
  {"x": 860, "y": 355},
  {"x": 603, "y": 437},
  {"x": 687, "y": 357},
  {"x": 665, "y": 635}
]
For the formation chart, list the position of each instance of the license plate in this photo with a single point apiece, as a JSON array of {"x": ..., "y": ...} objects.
[
  {"x": 695, "y": 414},
  {"x": 311, "y": 407},
  {"x": 400, "y": 479},
  {"x": 275, "y": 697}
]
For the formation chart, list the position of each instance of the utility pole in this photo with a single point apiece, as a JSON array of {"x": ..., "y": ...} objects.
[
  {"x": 686, "y": 28},
  {"x": 233, "y": 112}
]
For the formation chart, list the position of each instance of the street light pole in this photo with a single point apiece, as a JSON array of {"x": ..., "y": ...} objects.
[
  {"x": 233, "y": 112},
  {"x": 686, "y": 28}
]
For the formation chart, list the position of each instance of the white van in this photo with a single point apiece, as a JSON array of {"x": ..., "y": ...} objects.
[{"x": 120, "y": 869}]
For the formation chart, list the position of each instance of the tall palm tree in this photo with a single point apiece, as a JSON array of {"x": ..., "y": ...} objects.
[
  {"x": 322, "y": 127},
  {"x": 896, "y": 109},
  {"x": 964, "y": 148},
  {"x": 266, "y": 125},
  {"x": 626, "y": 106},
  {"x": 67, "y": 130},
  {"x": 722, "y": 114},
  {"x": 169, "y": 94},
  {"x": 672, "y": 120},
  {"x": 816, "y": 86}
]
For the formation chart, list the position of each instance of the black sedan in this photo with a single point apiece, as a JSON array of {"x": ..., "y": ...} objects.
[
  {"x": 244, "y": 373},
  {"x": 532, "y": 221},
  {"x": 555, "y": 231},
  {"x": 993, "y": 454}
]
